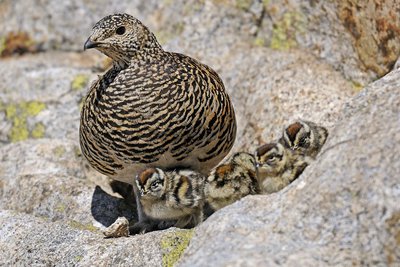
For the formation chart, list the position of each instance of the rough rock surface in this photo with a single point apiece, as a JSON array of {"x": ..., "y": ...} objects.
[
  {"x": 359, "y": 39},
  {"x": 280, "y": 61},
  {"x": 342, "y": 211},
  {"x": 28, "y": 240}
]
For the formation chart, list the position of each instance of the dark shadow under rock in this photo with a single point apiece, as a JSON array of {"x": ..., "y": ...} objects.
[{"x": 106, "y": 208}]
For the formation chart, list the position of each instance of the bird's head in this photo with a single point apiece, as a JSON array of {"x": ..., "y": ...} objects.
[
  {"x": 298, "y": 136},
  {"x": 271, "y": 158},
  {"x": 151, "y": 183},
  {"x": 244, "y": 160},
  {"x": 122, "y": 37}
]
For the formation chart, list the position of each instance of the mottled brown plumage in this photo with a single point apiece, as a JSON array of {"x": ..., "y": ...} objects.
[
  {"x": 278, "y": 166},
  {"x": 304, "y": 137},
  {"x": 152, "y": 108},
  {"x": 231, "y": 181},
  {"x": 171, "y": 195}
]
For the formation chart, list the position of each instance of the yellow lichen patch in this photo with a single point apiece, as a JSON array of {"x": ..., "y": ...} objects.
[
  {"x": 18, "y": 113},
  {"x": 81, "y": 226},
  {"x": 78, "y": 258},
  {"x": 38, "y": 130},
  {"x": 2, "y": 44},
  {"x": 259, "y": 41},
  {"x": 59, "y": 151},
  {"x": 243, "y": 4},
  {"x": 11, "y": 111},
  {"x": 357, "y": 86},
  {"x": 173, "y": 245},
  {"x": 60, "y": 208},
  {"x": 19, "y": 130},
  {"x": 265, "y": 2},
  {"x": 32, "y": 108},
  {"x": 16, "y": 43},
  {"x": 79, "y": 82},
  {"x": 285, "y": 30}
]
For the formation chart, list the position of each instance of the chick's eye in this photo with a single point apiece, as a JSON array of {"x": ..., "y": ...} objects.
[
  {"x": 271, "y": 158},
  {"x": 154, "y": 184},
  {"x": 120, "y": 30},
  {"x": 303, "y": 141}
]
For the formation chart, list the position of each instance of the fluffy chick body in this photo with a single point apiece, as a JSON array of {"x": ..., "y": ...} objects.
[
  {"x": 304, "y": 137},
  {"x": 172, "y": 195},
  {"x": 278, "y": 166},
  {"x": 231, "y": 181}
]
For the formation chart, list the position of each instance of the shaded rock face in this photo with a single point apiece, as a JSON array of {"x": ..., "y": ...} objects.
[{"x": 280, "y": 61}]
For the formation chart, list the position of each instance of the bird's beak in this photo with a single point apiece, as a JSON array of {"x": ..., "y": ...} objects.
[{"x": 90, "y": 44}]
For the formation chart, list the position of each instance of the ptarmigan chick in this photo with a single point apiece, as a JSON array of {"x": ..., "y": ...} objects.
[
  {"x": 231, "y": 181},
  {"x": 172, "y": 195},
  {"x": 278, "y": 166},
  {"x": 304, "y": 137}
]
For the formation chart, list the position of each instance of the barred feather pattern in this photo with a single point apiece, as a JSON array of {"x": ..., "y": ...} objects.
[{"x": 160, "y": 109}]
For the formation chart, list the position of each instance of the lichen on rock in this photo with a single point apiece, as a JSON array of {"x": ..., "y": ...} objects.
[
  {"x": 285, "y": 30},
  {"x": 18, "y": 114},
  {"x": 173, "y": 245},
  {"x": 79, "y": 82}
]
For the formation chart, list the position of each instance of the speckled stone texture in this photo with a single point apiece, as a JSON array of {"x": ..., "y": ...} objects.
[
  {"x": 280, "y": 61},
  {"x": 29, "y": 240},
  {"x": 359, "y": 39}
]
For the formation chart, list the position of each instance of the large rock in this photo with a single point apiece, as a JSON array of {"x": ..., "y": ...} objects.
[
  {"x": 30, "y": 241},
  {"x": 359, "y": 39},
  {"x": 47, "y": 178},
  {"x": 271, "y": 89},
  {"x": 41, "y": 95},
  {"x": 342, "y": 211}
]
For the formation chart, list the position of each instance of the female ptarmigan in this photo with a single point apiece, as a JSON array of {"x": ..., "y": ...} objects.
[{"x": 152, "y": 108}]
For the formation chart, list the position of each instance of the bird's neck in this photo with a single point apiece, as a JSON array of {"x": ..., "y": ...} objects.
[
  {"x": 120, "y": 64},
  {"x": 149, "y": 50}
]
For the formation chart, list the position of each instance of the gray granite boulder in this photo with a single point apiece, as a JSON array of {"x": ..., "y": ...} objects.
[
  {"x": 29, "y": 240},
  {"x": 359, "y": 40},
  {"x": 342, "y": 211}
]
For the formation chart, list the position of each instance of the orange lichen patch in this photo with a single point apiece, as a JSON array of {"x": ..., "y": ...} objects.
[
  {"x": 376, "y": 31},
  {"x": 16, "y": 43},
  {"x": 392, "y": 244}
]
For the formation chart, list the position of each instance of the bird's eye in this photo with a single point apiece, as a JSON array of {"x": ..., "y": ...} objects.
[
  {"x": 120, "y": 30},
  {"x": 271, "y": 158},
  {"x": 154, "y": 185},
  {"x": 303, "y": 141}
]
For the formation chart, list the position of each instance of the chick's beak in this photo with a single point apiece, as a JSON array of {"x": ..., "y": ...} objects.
[{"x": 90, "y": 44}]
